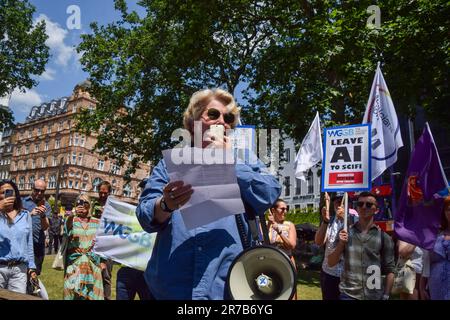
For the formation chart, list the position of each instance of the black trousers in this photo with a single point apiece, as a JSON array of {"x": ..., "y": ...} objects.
[
  {"x": 39, "y": 255},
  {"x": 106, "y": 277},
  {"x": 54, "y": 241}
]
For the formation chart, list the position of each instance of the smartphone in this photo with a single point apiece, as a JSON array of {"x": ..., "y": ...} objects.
[
  {"x": 217, "y": 131},
  {"x": 9, "y": 193}
]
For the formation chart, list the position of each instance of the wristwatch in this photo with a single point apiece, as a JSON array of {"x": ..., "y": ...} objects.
[{"x": 164, "y": 206}]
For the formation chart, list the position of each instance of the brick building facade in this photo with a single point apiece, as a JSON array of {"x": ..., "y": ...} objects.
[{"x": 47, "y": 144}]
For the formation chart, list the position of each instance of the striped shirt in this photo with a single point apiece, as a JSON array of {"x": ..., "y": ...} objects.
[{"x": 366, "y": 258}]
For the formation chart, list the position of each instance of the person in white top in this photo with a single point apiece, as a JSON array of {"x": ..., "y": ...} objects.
[{"x": 328, "y": 235}]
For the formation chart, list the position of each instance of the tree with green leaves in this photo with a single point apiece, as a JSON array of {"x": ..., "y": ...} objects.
[
  {"x": 23, "y": 52},
  {"x": 291, "y": 57}
]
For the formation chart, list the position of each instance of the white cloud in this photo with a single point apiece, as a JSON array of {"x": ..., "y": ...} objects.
[
  {"x": 21, "y": 102},
  {"x": 49, "y": 74},
  {"x": 56, "y": 35}
]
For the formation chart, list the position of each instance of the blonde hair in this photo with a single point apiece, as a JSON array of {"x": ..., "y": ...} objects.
[
  {"x": 85, "y": 197},
  {"x": 200, "y": 99}
]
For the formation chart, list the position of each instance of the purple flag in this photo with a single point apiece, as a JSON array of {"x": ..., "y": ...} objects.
[{"x": 420, "y": 207}]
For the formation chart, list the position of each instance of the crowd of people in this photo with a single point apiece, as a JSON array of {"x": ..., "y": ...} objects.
[{"x": 359, "y": 263}]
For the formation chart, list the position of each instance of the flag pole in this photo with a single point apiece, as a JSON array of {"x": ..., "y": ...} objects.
[
  {"x": 345, "y": 210},
  {"x": 439, "y": 158}
]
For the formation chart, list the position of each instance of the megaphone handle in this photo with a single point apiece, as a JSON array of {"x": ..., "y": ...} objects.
[{"x": 265, "y": 231}]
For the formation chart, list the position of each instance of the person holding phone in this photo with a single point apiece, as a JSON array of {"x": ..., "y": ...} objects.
[
  {"x": 193, "y": 264},
  {"x": 82, "y": 274},
  {"x": 40, "y": 211},
  {"x": 16, "y": 240}
]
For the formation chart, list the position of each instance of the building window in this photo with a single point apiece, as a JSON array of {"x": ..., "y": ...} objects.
[
  {"x": 55, "y": 161},
  {"x": 46, "y": 146},
  {"x": 33, "y": 164},
  {"x": 70, "y": 184},
  {"x": 36, "y": 147},
  {"x": 80, "y": 159},
  {"x": 49, "y": 128},
  {"x": 57, "y": 143},
  {"x": 76, "y": 184},
  {"x": 75, "y": 139},
  {"x": 100, "y": 165},
  {"x": 74, "y": 108},
  {"x": 82, "y": 140},
  {"x": 287, "y": 186},
  {"x": 310, "y": 182},
  {"x": 27, "y": 149},
  {"x": 60, "y": 126},
  {"x": 115, "y": 169},
  {"x": 19, "y": 150},
  {"x": 85, "y": 177},
  {"x": 42, "y": 177},
  {"x": 44, "y": 162},
  {"x": 21, "y": 183},
  {"x": 127, "y": 191},
  {"x": 84, "y": 186},
  {"x": 73, "y": 160},
  {"x": 30, "y": 182},
  {"x": 287, "y": 155},
  {"x": 298, "y": 187},
  {"x": 95, "y": 184},
  {"x": 70, "y": 140},
  {"x": 52, "y": 182},
  {"x": 39, "y": 131}
]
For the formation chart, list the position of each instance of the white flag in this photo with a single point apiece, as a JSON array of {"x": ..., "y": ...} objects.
[
  {"x": 386, "y": 136},
  {"x": 120, "y": 236},
  {"x": 310, "y": 151}
]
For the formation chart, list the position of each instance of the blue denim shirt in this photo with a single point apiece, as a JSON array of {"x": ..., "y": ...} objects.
[
  {"x": 38, "y": 233},
  {"x": 16, "y": 239},
  {"x": 193, "y": 264}
]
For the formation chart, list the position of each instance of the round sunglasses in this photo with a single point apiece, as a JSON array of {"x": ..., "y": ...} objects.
[{"x": 214, "y": 114}]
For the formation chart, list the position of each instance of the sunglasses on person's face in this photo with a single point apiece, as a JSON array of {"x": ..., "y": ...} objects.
[
  {"x": 368, "y": 205},
  {"x": 82, "y": 203},
  {"x": 214, "y": 114}
]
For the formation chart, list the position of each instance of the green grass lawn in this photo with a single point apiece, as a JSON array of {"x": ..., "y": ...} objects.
[
  {"x": 54, "y": 279},
  {"x": 308, "y": 282}
]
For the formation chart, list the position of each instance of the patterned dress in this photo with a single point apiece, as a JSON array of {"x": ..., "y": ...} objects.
[{"x": 83, "y": 276}]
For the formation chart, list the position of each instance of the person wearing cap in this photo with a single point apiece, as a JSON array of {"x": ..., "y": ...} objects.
[{"x": 327, "y": 235}]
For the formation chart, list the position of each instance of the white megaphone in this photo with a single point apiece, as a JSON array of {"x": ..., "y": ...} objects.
[{"x": 262, "y": 273}]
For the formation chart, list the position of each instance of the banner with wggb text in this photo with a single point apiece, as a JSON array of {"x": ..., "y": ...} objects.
[{"x": 121, "y": 238}]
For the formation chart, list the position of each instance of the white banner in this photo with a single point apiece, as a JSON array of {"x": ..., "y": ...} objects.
[
  {"x": 386, "y": 136},
  {"x": 346, "y": 162},
  {"x": 121, "y": 238},
  {"x": 310, "y": 152}
]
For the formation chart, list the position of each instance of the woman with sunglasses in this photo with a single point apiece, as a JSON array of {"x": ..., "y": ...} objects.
[
  {"x": 193, "y": 264},
  {"x": 16, "y": 240},
  {"x": 368, "y": 253},
  {"x": 82, "y": 276}
]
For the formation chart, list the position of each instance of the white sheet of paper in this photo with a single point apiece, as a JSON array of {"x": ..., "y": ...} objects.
[{"x": 216, "y": 192}]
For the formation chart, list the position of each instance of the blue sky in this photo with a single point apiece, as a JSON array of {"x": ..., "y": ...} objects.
[{"x": 63, "y": 71}]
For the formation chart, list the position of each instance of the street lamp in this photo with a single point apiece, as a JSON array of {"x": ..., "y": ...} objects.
[{"x": 58, "y": 179}]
